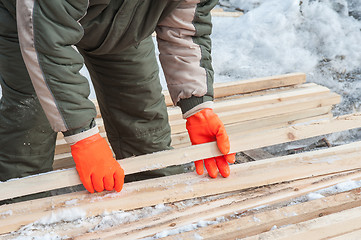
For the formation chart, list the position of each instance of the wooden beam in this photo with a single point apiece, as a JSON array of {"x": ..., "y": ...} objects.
[
  {"x": 241, "y": 126},
  {"x": 264, "y": 124},
  {"x": 29, "y": 185},
  {"x": 274, "y": 97},
  {"x": 65, "y": 160},
  {"x": 245, "y": 114},
  {"x": 252, "y": 85},
  {"x": 219, "y": 12},
  {"x": 189, "y": 185}
]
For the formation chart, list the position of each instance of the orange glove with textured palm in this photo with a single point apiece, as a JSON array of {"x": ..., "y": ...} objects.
[
  {"x": 205, "y": 126},
  {"x": 96, "y": 166}
]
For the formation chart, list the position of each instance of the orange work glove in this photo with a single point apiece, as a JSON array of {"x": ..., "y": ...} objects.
[
  {"x": 96, "y": 166},
  {"x": 203, "y": 127}
]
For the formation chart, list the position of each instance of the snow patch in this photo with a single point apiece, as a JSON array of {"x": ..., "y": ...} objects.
[
  {"x": 341, "y": 187},
  {"x": 66, "y": 215},
  {"x": 281, "y": 36},
  {"x": 44, "y": 236},
  {"x": 6, "y": 214},
  {"x": 314, "y": 196},
  {"x": 72, "y": 202},
  {"x": 256, "y": 219},
  {"x": 186, "y": 228}
]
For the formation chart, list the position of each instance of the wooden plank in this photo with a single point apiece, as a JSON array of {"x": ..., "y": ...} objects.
[
  {"x": 29, "y": 185},
  {"x": 190, "y": 185},
  {"x": 262, "y": 222},
  {"x": 267, "y": 110},
  {"x": 307, "y": 90},
  {"x": 227, "y": 14},
  {"x": 238, "y": 126},
  {"x": 252, "y": 85},
  {"x": 219, "y": 12},
  {"x": 208, "y": 211},
  {"x": 257, "y": 124},
  {"x": 325, "y": 227},
  {"x": 65, "y": 160}
]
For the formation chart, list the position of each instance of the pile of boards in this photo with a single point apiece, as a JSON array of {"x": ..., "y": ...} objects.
[
  {"x": 244, "y": 106},
  {"x": 256, "y": 202}
]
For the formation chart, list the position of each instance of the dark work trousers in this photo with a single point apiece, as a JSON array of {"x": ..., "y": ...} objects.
[{"x": 119, "y": 53}]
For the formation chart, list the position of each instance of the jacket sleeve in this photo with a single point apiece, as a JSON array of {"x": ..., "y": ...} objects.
[
  {"x": 48, "y": 31},
  {"x": 185, "y": 54}
]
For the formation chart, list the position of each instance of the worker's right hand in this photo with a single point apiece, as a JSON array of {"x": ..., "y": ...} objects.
[
  {"x": 97, "y": 168},
  {"x": 205, "y": 126}
]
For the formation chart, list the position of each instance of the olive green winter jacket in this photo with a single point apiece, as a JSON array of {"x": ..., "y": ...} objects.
[{"x": 48, "y": 31}]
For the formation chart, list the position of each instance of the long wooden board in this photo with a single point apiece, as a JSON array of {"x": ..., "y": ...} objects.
[
  {"x": 286, "y": 119},
  {"x": 29, "y": 185},
  {"x": 65, "y": 160},
  {"x": 226, "y": 105},
  {"x": 267, "y": 110}
]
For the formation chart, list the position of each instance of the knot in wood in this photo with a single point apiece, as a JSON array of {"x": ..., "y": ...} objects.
[{"x": 291, "y": 136}]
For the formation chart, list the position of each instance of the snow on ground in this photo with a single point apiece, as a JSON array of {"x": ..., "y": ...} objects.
[
  {"x": 318, "y": 37},
  {"x": 277, "y": 37}
]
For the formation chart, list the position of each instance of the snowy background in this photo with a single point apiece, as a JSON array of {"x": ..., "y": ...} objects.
[
  {"x": 318, "y": 37},
  {"x": 321, "y": 38}
]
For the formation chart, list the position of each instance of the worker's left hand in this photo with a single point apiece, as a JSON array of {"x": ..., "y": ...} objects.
[
  {"x": 205, "y": 126},
  {"x": 97, "y": 168}
]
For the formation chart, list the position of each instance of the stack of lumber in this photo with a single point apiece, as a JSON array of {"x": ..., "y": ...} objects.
[
  {"x": 257, "y": 201},
  {"x": 245, "y": 106}
]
